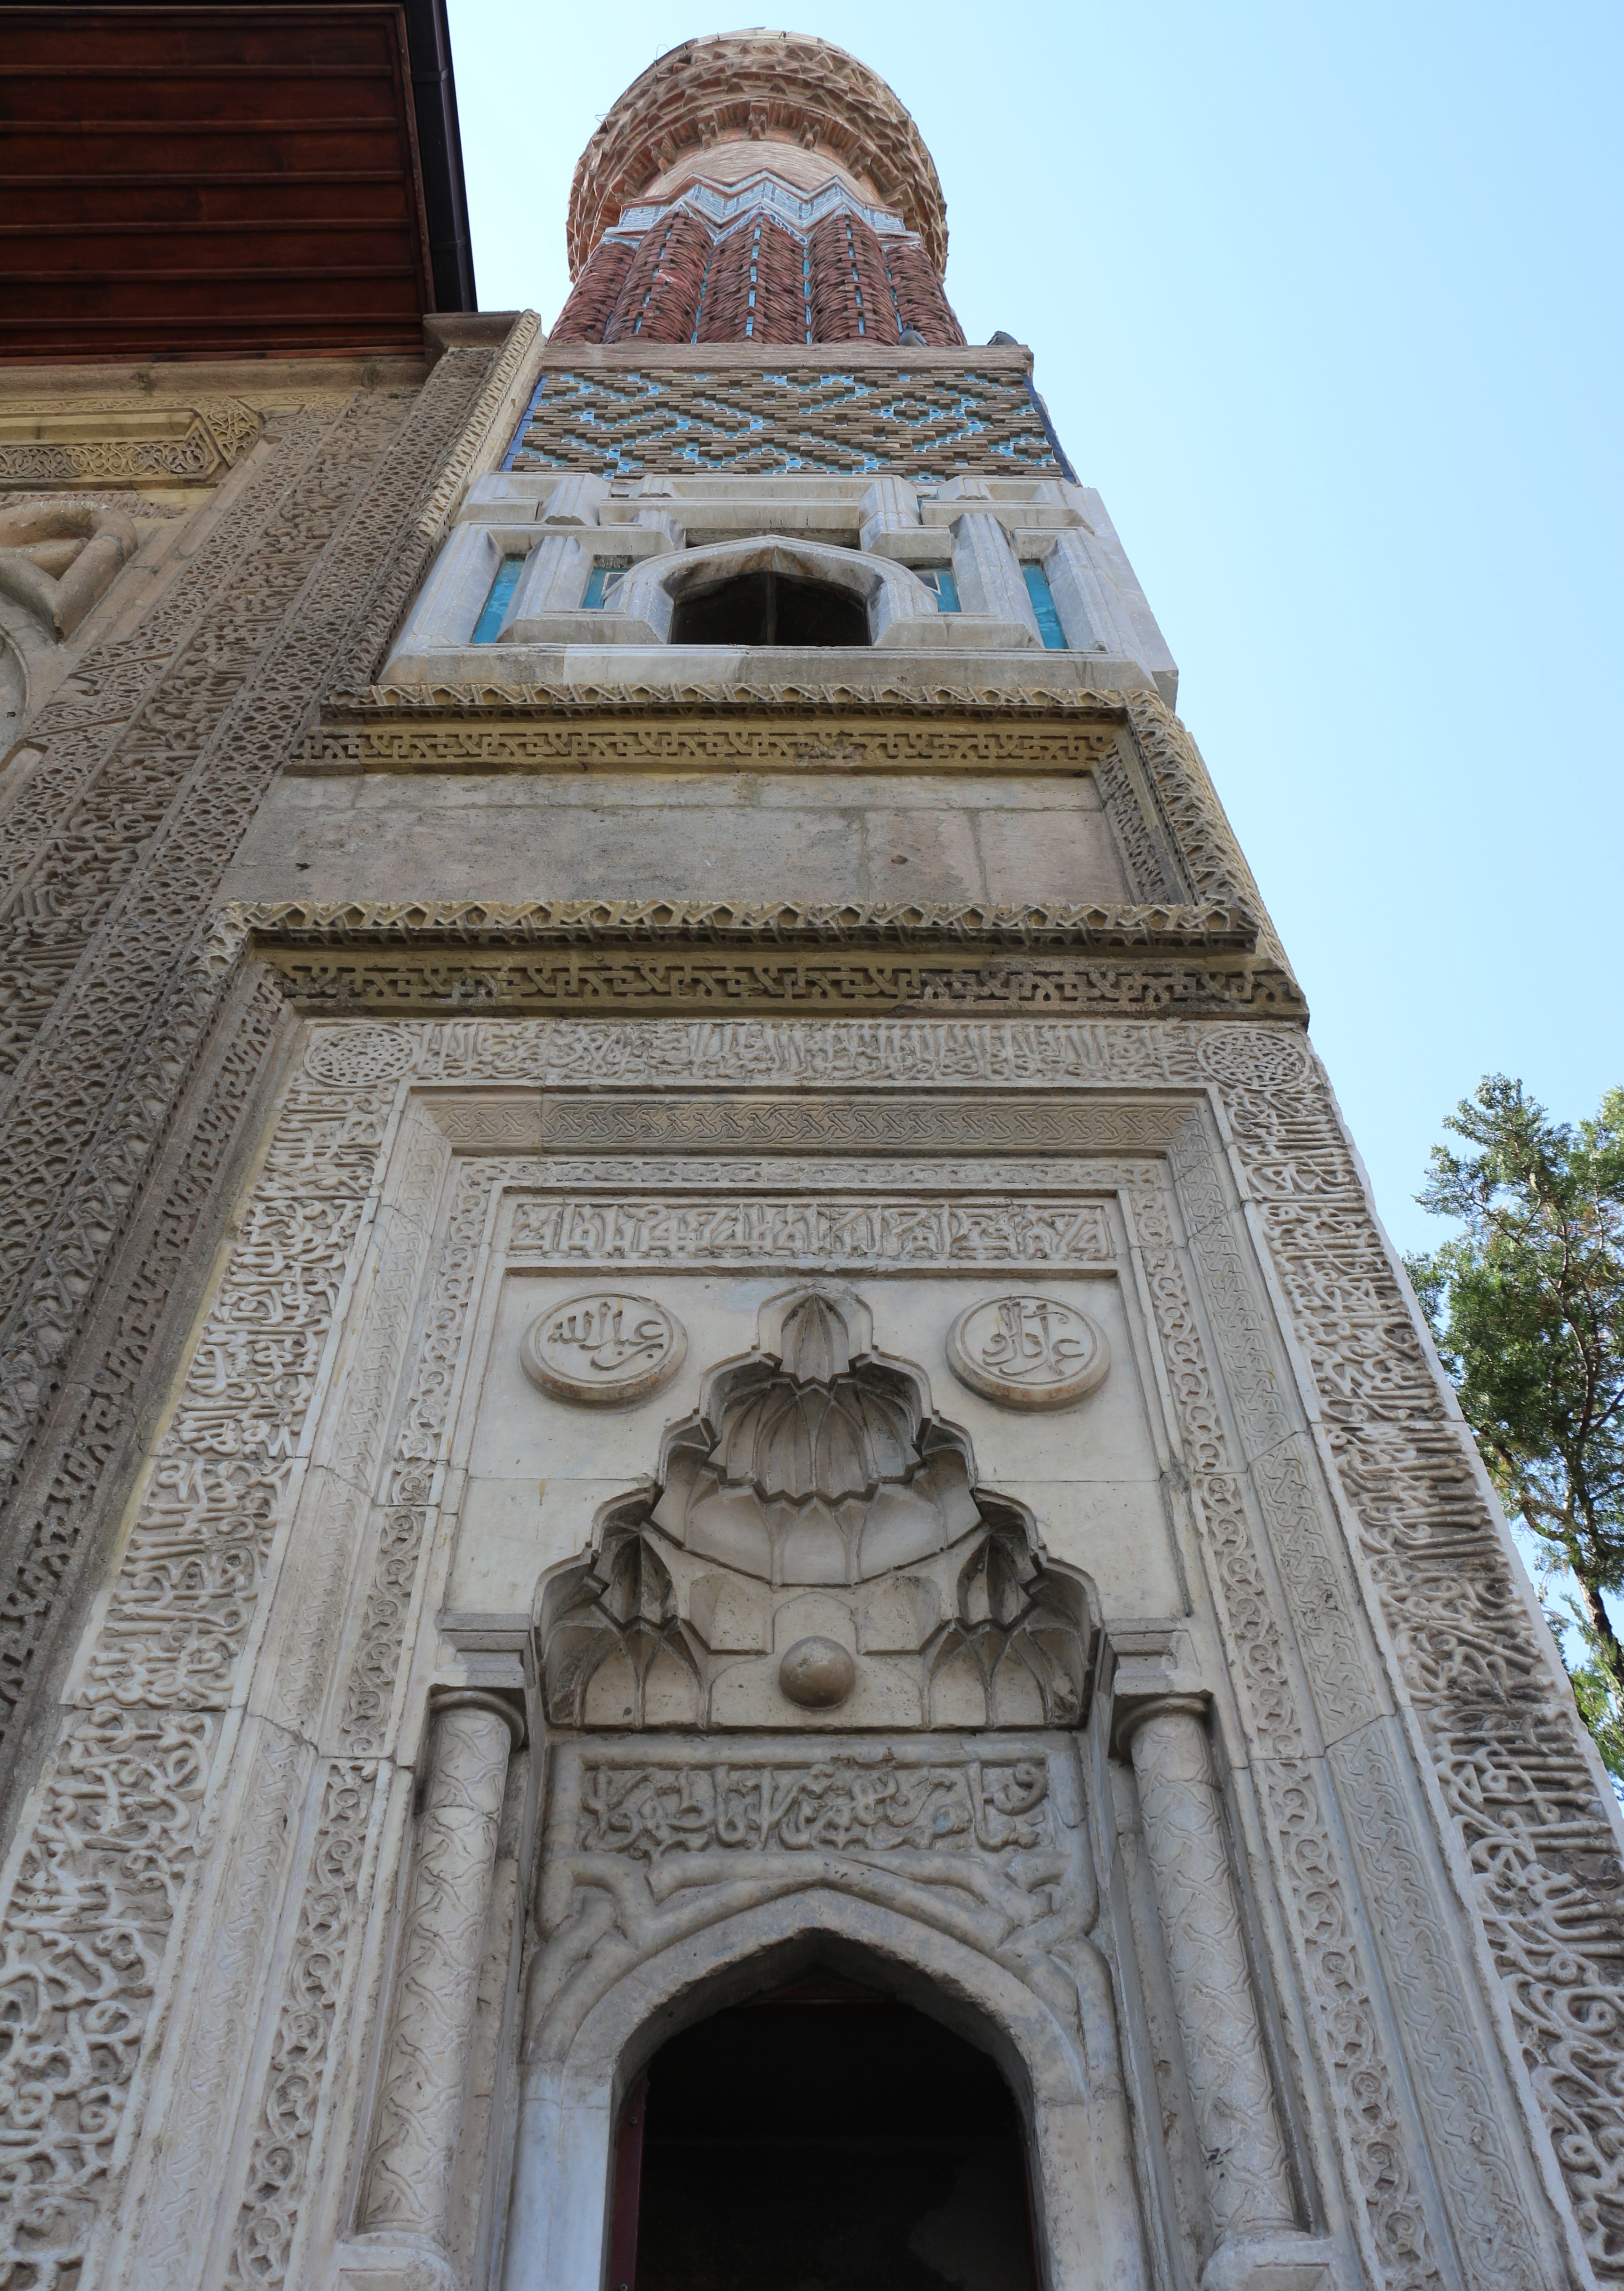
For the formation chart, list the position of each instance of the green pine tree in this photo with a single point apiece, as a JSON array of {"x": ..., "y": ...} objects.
[{"x": 1527, "y": 1306}]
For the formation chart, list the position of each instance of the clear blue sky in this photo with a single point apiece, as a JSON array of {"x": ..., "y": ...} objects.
[{"x": 1325, "y": 301}]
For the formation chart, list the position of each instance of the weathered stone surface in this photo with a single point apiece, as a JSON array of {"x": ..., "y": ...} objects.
[{"x": 766, "y": 1228}]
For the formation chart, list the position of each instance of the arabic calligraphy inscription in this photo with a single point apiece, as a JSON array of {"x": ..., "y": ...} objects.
[
  {"x": 1028, "y": 1352},
  {"x": 605, "y": 1348}
]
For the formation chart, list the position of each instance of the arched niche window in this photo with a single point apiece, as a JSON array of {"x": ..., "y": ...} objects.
[
  {"x": 767, "y": 589},
  {"x": 769, "y": 607}
]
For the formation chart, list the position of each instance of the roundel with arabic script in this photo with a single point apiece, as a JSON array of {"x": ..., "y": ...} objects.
[
  {"x": 1028, "y": 1352},
  {"x": 607, "y": 1346}
]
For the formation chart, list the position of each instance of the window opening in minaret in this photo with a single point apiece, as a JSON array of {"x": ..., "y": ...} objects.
[
  {"x": 604, "y": 569},
  {"x": 488, "y": 625},
  {"x": 755, "y": 251},
  {"x": 770, "y": 608},
  {"x": 821, "y": 2134},
  {"x": 1044, "y": 606},
  {"x": 856, "y": 283}
]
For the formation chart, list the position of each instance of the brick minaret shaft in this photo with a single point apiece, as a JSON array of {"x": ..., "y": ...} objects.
[{"x": 726, "y": 199}]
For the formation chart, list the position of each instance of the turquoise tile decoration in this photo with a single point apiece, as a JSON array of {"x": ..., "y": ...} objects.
[
  {"x": 496, "y": 604},
  {"x": 604, "y": 569},
  {"x": 1044, "y": 606},
  {"x": 627, "y": 423}
]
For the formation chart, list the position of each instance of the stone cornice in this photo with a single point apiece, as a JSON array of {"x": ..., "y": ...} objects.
[
  {"x": 436, "y": 702},
  {"x": 736, "y": 959},
  {"x": 721, "y": 922},
  {"x": 645, "y": 357}
]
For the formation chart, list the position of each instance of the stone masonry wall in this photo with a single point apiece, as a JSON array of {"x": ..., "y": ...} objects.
[{"x": 121, "y": 1086}]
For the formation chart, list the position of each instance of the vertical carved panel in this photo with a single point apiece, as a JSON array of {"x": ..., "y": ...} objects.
[
  {"x": 156, "y": 750},
  {"x": 278, "y": 2164}
]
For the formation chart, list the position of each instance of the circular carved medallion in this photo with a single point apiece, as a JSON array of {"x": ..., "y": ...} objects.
[
  {"x": 1028, "y": 1352},
  {"x": 1253, "y": 1057},
  {"x": 358, "y": 1057},
  {"x": 818, "y": 1674},
  {"x": 605, "y": 1346}
]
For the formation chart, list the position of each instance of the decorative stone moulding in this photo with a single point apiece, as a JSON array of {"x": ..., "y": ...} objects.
[
  {"x": 606, "y": 1348},
  {"x": 901, "y": 611},
  {"x": 756, "y": 85},
  {"x": 815, "y": 1541},
  {"x": 1028, "y": 1352},
  {"x": 56, "y": 442},
  {"x": 56, "y": 560}
]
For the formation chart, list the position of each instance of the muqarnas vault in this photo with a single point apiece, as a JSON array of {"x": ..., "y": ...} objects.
[{"x": 734, "y": 1557}]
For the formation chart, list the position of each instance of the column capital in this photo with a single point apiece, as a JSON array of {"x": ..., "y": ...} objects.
[
  {"x": 445, "y": 1698},
  {"x": 1152, "y": 1667},
  {"x": 1129, "y": 1713}
]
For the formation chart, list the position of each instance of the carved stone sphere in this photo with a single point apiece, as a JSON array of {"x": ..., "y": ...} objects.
[{"x": 817, "y": 1674}]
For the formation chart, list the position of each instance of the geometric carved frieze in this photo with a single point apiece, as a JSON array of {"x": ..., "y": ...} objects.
[
  {"x": 67, "y": 442},
  {"x": 765, "y": 728},
  {"x": 655, "y": 956},
  {"x": 365, "y": 982}
]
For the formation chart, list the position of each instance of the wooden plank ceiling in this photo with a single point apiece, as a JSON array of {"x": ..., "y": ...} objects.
[{"x": 208, "y": 181}]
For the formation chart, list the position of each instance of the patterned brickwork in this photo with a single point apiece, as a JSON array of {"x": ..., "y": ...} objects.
[
  {"x": 759, "y": 282},
  {"x": 660, "y": 299},
  {"x": 757, "y": 288},
  {"x": 969, "y": 422},
  {"x": 851, "y": 295},
  {"x": 595, "y": 293},
  {"x": 920, "y": 302}
]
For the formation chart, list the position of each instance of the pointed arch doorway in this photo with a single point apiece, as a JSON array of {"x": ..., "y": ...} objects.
[{"x": 821, "y": 2136}]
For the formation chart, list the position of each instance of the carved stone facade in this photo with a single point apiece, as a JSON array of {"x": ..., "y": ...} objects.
[{"x": 673, "y": 1325}]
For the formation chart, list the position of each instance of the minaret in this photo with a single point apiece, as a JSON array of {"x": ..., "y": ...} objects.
[
  {"x": 788, "y": 1412},
  {"x": 757, "y": 188}
]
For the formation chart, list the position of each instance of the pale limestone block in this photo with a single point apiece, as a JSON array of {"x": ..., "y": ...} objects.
[
  {"x": 1091, "y": 613},
  {"x": 552, "y": 582},
  {"x": 664, "y": 524},
  {"x": 1151, "y": 646},
  {"x": 1051, "y": 855},
  {"x": 409, "y": 2186},
  {"x": 575, "y": 500},
  {"x": 498, "y": 1548},
  {"x": 988, "y": 573},
  {"x": 1248, "y": 2178},
  {"x": 890, "y": 509},
  {"x": 454, "y": 596}
]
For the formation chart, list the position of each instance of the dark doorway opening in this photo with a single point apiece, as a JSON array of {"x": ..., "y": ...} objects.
[
  {"x": 770, "y": 608},
  {"x": 821, "y": 2139}
]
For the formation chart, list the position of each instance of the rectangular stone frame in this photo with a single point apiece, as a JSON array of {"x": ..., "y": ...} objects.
[{"x": 210, "y": 1863}]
